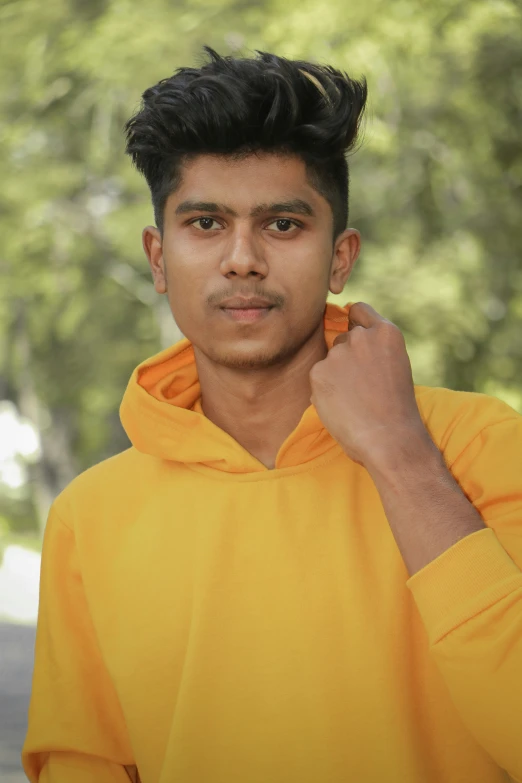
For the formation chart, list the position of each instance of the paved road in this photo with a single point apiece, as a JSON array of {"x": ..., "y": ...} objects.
[{"x": 16, "y": 668}]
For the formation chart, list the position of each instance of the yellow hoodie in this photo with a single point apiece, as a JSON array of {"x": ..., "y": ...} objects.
[{"x": 208, "y": 620}]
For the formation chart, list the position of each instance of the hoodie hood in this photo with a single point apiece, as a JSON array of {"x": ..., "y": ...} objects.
[{"x": 162, "y": 415}]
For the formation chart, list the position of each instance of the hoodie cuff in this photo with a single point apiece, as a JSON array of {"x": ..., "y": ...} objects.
[{"x": 463, "y": 581}]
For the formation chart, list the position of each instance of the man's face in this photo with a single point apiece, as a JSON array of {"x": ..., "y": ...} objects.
[{"x": 250, "y": 227}]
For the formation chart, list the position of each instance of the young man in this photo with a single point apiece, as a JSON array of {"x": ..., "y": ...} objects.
[{"x": 305, "y": 568}]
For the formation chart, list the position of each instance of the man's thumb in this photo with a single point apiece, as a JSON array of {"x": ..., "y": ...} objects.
[{"x": 341, "y": 338}]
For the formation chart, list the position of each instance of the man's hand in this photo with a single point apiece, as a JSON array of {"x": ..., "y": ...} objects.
[{"x": 363, "y": 390}]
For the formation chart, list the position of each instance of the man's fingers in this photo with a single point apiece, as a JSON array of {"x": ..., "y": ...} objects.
[
  {"x": 341, "y": 338},
  {"x": 363, "y": 314}
]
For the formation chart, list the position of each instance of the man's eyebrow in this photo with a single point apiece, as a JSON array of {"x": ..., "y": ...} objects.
[
  {"x": 203, "y": 206},
  {"x": 295, "y": 205}
]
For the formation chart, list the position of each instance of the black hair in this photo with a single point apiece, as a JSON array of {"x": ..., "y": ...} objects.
[{"x": 238, "y": 106}]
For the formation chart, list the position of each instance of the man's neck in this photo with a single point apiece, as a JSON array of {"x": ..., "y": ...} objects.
[
  {"x": 259, "y": 416},
  {"x": 261, "y": 430}
]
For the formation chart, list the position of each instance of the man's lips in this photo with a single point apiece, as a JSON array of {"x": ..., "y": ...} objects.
[{"x": 246, "y": 314}]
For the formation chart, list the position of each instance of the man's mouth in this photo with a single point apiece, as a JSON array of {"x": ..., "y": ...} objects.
[{"x": 246, "y": 315}]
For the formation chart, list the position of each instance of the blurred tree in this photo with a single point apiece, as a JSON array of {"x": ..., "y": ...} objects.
[
  {"x": 436, "y": 192},
  {"x": 78, "y": 310}
]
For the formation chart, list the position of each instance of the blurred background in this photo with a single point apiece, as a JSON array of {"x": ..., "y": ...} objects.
[{"x": 436, "y": 192}]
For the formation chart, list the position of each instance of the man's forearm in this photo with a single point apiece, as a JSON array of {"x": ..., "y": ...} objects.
[{"x": 427, "y": 511}]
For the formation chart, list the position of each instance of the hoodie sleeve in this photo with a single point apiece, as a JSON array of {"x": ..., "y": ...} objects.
[
  {"x": 470, "y": 597},
  {"x": 76, "y": 728}
]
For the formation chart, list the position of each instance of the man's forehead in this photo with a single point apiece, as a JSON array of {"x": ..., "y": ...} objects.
[
  {"x": 290, "y": 162},
  {"x": 253, "y": 184}
]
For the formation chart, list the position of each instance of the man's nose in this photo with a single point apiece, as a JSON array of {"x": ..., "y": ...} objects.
[{"x": 244, "y": 252}]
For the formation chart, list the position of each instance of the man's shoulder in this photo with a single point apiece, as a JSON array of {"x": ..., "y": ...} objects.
[
  {"x": 455, "y": 418},
  {"x": 438, "y": 400},
  {"x": 114, "y": 478}
]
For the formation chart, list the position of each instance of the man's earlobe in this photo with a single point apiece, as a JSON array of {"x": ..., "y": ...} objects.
[{"x": 346, "y": 253}]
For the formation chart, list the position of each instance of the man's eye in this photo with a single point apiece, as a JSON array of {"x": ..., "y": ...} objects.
[
  {"x": 283, "y": 225},
  {"x": 205, "y": 223}
]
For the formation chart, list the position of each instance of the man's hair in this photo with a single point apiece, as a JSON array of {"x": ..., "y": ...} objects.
[{"x": 238, "y": 106}]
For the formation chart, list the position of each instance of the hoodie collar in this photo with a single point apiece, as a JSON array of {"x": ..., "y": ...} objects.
[{"x": 162, "y": 415}]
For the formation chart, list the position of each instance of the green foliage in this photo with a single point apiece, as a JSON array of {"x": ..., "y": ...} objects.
[{"x": 436, "y": 186}]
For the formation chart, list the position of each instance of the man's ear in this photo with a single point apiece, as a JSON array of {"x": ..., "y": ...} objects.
[
  {"x": 153, "y": 247},
  {"x": 346, "y": 251}
]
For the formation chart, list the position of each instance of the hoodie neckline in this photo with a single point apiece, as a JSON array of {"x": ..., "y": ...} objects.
[{"x": 162, "y": 415}]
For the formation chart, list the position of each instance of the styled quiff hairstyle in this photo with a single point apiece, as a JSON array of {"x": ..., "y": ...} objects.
[{"x": 237, "y": 106}]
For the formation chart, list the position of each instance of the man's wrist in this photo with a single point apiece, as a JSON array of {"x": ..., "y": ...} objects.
[{"x": 410, "y": 455}]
